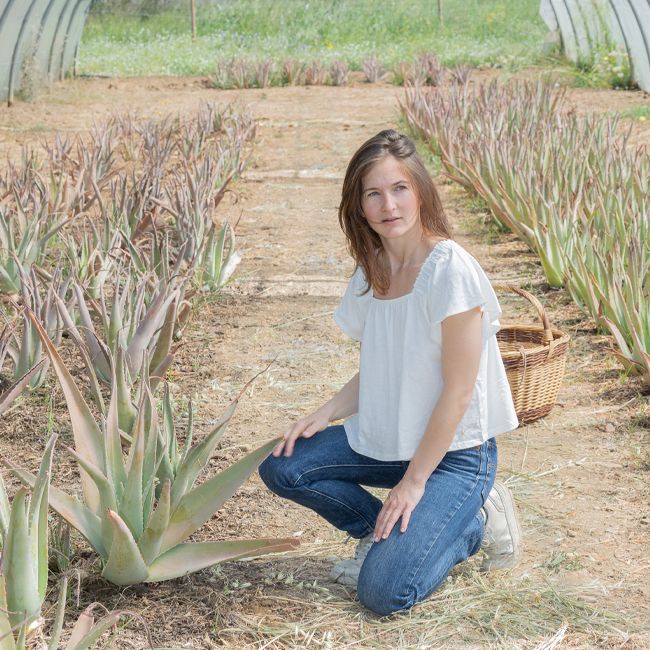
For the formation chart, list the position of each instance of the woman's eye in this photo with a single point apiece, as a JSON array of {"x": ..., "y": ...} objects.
[{"x": 401, "y": 187}]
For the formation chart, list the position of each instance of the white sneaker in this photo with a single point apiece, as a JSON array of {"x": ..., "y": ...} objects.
[
  {"x": 502, "y": 538},
  {"x": 346, "y": 572}
]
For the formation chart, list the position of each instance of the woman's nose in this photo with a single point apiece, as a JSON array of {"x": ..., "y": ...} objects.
[{"x": 389, "y": 202}]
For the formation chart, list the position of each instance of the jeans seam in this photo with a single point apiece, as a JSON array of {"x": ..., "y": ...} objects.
[
  {"x": 433, "y": 541},
  {"x": 341, "y": 503},
  {"x": 314, "y": 469}
]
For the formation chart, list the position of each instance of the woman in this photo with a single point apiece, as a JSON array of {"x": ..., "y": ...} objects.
[{"x": 422, "y": 412}]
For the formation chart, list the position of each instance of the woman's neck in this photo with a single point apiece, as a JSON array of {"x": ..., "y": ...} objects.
[{"x": 400, "y": 255}]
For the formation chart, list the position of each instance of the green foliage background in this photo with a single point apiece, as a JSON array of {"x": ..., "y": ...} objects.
[{"x": 127, "y": 37}]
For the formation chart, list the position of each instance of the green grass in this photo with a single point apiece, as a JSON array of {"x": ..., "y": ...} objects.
[
  {"x": 504, "y": 33},
  {"x": 640, "y": 112}
]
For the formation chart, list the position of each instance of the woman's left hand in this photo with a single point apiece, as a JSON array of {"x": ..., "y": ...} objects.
[{"x": 400, "y": 502}]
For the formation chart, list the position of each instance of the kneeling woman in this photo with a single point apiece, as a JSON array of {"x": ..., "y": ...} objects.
[{"x": 423, "y": 410}]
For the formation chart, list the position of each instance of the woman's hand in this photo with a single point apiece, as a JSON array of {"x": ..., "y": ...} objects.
[
  {"x": 304, "y": 428},
  {"x": 400, "y": 502}
]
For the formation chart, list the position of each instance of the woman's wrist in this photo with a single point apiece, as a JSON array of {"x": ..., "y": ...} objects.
[
  {"x": 326, "y": 412},
  {"x": 415, "y": 477}
]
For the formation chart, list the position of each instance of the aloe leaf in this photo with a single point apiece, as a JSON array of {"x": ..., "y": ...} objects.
[
  {"x": 146, "y": 330},
  {"x": 5, "y": 511},
  {"x": 114, "y": 458},
  {"x": 79, "y": 342},
  {"x": 125, "y": 565},
  {"x": 187, "y": 558},
  {"x": 131, "y": 506},
  {"x": 6, "y": 634},
  {"x": 81, "y": 628},
  {"x": 158, "y": 372},
  {"x": 21, "y": 579},
  {"x": 198, "y": 456},
  {"x": 95, "y": 632},
  {"x": 10, "y": 394},
  {"x": 165, "y": 337},
  {"x": 88, "y": 437},
  {"x": 38, "y": 516},
  {"x": 149, "y": 542},
  {"x": 59, "y": 615},
  {"x": 197, "y": 506},
  {"x": 70, "y": 508},
  {"x": 107, "y": 498},
  {"x": 126, "y": 411},
  {"x": 92, "y": 635},
  {"x": 97, "y": 355}
]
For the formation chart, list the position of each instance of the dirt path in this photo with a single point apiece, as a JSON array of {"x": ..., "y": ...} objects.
[{"x": 580, "y": 476}]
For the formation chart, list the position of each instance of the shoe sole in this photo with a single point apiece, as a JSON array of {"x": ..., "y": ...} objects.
[{"x": 510, "y": 513}]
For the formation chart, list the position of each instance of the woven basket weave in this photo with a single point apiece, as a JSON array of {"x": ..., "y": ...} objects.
[{"x": 534, "y": 357}]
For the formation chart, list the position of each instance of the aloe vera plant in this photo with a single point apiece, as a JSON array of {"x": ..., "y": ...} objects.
[
  {"x": 130, "y": 324},
  {"x": 23, "y": 570},
  {"x": 25, "y": 349},
  {"x": 137, "y": 512},
  {"x": 24, "y": 238},
  {"x": 218, "y": 258}
]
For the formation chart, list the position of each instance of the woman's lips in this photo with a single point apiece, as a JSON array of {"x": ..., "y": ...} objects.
[{"x": 390, "y": 220}]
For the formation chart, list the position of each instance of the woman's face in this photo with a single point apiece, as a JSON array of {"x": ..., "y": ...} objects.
[{"x": 389, "y": 201}]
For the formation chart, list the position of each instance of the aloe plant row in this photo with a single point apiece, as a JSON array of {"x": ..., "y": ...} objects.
[
  {"x": 568, "y": 185},
  {"x": 138, "y": 511}
]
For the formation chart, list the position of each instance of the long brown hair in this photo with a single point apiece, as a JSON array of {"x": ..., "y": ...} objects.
[{"x": 364, "y": 243}]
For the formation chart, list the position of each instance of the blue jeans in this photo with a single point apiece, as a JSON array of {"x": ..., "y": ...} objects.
[{"x": 446, "y": 527}]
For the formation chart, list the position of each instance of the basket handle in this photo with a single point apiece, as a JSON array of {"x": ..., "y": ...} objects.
[{"x": 548, "y": 334}]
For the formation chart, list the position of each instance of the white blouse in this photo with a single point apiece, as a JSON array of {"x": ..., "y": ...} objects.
[{"x": 400, "y": 369}]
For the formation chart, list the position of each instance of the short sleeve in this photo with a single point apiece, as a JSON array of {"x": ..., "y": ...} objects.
[
  {"x": 456, "y": 284},
  {"x": 350, "y": 315}
]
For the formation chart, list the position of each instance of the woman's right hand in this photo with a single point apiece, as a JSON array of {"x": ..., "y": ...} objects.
[{"x": 304, "y": 428}]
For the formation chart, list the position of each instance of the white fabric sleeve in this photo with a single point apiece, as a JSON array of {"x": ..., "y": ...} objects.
[
  {"x": 458, "y": 284},
  {"x": 350, "y": 315}
]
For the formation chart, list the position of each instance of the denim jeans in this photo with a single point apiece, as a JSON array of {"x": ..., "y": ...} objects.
[{"x": 446, "y": 527}]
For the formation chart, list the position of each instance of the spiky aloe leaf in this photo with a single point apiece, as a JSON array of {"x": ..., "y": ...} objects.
[
  {"x": 6, "y": 635},
  {"x": 164, "y": 341},
  {"x": 86, "y": 632},
  {"x": 187, "y": 558},
  {"x": 196, "y": 458},
  {"x": 107, "y": 497},
  {"x": 81, "y": 346},
  {"x": 149, "y": 542},
  {"x": 146, "y": 329},
  {"x": 131, "y": 506},
  {"x": 115, "y": 471},
  {"x": 198, "y": 505},
  {"x": 97, "y": 354},
  {"x": 11, "y": 393},
  {"x": 18, "y": 567},
  {"x": 38, "y": 517},
  {"x": 59, "y": 615},
  {"x": 88, "y": 437},
  {"x": 125, "y": 565},
  {"x": 70, "y": 508},
  {"x": 126, "y": 411},
  {"x": 5, "y": 511}
]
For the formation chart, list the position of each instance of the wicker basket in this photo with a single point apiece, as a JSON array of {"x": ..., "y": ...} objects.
[{"x": 534, "y": 357}]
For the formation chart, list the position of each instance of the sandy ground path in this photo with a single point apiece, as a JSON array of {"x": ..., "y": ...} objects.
[{"x": 580, "y": 476}]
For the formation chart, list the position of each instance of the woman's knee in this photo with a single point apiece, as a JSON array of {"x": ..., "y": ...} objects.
[
  {"x": 278, "y": 474},
  {"x": 383, "y": 594}
]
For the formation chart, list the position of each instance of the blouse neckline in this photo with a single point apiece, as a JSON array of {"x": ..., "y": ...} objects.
[{"x": 426, "y": 262}]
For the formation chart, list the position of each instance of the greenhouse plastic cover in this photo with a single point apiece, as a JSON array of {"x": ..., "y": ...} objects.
[
  {"x": 586, "y": 25},
  {"x": 39, "y": 38}
]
